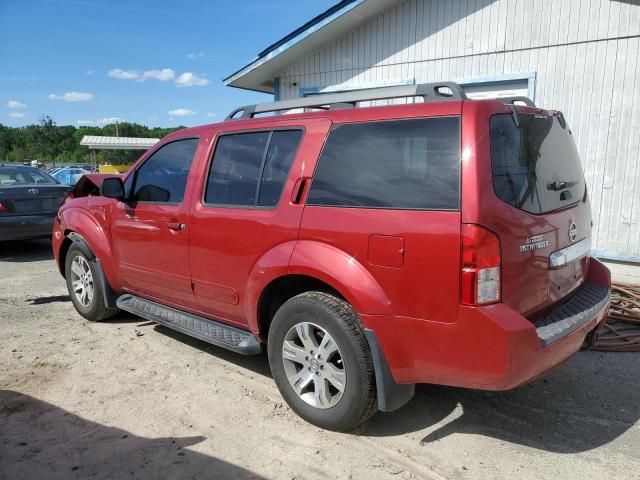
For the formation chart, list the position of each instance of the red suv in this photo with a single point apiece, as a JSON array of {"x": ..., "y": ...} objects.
[{"x": 370, "y": 248}]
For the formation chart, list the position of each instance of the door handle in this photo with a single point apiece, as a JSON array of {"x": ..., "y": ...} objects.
[{"x": 175, "y": 226}]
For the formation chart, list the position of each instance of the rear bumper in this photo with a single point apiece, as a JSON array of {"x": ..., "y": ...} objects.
[
  {"x": 490, "y": 348},
  {"x": 24, "y": 227}
]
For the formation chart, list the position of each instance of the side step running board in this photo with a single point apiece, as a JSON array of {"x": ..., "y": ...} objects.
[{"x": 209, "y": 331}]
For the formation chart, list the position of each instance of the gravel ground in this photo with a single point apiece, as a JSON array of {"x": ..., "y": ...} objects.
[{"x": 129, "y": 399}]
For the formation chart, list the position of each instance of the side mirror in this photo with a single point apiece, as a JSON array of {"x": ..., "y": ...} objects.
[{"x": 112, "y": 188}]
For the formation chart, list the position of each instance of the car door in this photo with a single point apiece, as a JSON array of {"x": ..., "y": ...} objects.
[
  {"x": 246, "y": 207},
  {"x": 150, "y": 230}
]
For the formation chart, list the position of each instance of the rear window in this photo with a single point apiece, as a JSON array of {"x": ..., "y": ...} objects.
[
  {"x": 401, "y": 164},
  {"x": 24, "y": 176},
  {"x": 535, "y": 167}
]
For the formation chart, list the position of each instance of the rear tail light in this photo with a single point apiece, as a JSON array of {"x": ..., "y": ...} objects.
[
  {"x": 2, "y": 207},
  {"x": 480, "y": 266}
]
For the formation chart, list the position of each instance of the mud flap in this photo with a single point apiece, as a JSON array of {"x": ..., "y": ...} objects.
[{"x": 391, "y": 395}]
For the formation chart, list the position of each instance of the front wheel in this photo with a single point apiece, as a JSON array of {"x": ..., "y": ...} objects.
[
  {"x": 85, "y": 289},
  {"x": 321, "y": 362}
]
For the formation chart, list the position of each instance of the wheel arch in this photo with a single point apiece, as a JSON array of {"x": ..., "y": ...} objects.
[
  {"x": 315, "y": 266},
  {"x": 75, "y": 239},
  {"x": 83, "y": 229},
  {"x": 283, "y": 288}
]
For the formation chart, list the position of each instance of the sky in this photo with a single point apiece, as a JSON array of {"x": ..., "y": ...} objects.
[{"x": 154, "y": 62}]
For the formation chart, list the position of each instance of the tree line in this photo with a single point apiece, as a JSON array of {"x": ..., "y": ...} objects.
[{"x": 55, "y": 144}]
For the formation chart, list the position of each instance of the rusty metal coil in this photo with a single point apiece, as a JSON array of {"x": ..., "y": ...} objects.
[{"x": 621, "y": 332}]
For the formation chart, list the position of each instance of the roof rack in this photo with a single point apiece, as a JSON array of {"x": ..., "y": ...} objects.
[
  {"x": 512, "y": 101},
  {"x": 430, "y": 92}
]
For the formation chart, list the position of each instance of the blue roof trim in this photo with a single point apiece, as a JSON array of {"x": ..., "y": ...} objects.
[
  {"x": 298, "y": 35},
  {"x": 306, "y": 26}
]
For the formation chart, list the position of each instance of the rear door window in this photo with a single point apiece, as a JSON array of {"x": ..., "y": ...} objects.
[
  {"x": 282, "y": 150},
  {"x": 250, "y": 169},
  {"x": 400, "y": 164},
  {"x": 536, "y": 166}
]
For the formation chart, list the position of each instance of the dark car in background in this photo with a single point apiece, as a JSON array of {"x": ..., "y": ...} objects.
[{"x": 29, "y": 201}]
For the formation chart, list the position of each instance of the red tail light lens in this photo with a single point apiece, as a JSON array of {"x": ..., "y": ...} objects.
[
  {"x": 480, "y": 274},
  {"x": 2, "y": 207}
]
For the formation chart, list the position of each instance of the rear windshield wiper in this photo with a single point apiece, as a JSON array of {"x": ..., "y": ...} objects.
[{"x": 558, "y": 185}]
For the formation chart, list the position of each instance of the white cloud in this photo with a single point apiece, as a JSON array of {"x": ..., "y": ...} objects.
[
  {"x": 16, "y": 114},
  {"x": 91, "y": 71},
  {"x": 186, "y": 79},
  {"x": 210, "y": 114},
  {"x": 124, "y": 74},
  {"x": 163, "y": 75},
  {"x": 15, "y": 104},
  {"x": 195, "y": 55},
  {"x": 72, "y": 96},
  {"x": 99, "y": 122},
  {"x": 189, "y": 79},
  {"x": 107, "y": 121},
  {"x": 181, "y": 112}
]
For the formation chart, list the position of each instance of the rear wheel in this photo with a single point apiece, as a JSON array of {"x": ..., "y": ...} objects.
[
  {"x": 85, "y": 289},
  {"x": 321, "y": 362}
]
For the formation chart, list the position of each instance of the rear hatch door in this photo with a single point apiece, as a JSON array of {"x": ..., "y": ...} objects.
[{"x": 540, "y": 208}]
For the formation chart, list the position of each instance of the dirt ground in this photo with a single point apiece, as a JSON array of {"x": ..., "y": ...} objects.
[{"x": 129, "y": 399}]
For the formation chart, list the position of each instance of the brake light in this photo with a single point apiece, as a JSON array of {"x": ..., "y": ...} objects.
[
  {"x": 480, "y": 266},
  {"x": 2, "y": 207}
]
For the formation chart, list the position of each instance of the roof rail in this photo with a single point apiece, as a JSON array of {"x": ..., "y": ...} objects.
[
  {"x": 512, "y": 101},
  {"x": 430, "y": 92}
]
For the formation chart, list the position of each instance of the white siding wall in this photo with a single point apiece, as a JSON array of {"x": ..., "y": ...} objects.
[{"x": 585, "y": 53}]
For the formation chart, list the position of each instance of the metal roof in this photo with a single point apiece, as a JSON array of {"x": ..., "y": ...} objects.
[
  {"x": 97, "y": 142},
  {"x": 343, "y": 16}
]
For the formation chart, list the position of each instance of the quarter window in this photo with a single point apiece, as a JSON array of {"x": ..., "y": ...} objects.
[
  {"x": 250, "y": 169},
  {"x": 401, "y": 164},
  {"x": 163, "y": 176}
]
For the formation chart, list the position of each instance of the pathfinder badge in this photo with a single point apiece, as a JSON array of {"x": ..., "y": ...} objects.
[{"x": 533, "y": 243}]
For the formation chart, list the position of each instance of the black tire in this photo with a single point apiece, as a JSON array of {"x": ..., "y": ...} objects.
[
  {"x": 95, "y": 310},
  {"x": 358, "y": 402}
]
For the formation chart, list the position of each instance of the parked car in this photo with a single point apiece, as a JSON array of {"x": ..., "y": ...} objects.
[
  {"x": 29, "y": 201},
  {"x": 70, "y": 175},
  {"x": 370, "y": 249}
]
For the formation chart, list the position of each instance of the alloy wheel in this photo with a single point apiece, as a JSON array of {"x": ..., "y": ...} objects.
[
  {"x": 314, "y": 365},
  {"x": 82, "y": 280}
]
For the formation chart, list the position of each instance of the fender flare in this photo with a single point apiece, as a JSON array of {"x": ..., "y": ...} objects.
[
  {"x": 343, "y": 272},
  {"x": 92, "y": 232},
  {"x": 317, "y": 260},
  {"x": 269, "y": 267},
  {"x": 80, "y": 242}
]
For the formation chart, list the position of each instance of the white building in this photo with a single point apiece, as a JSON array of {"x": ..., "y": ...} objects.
[{"x": 578, "y": 56}]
